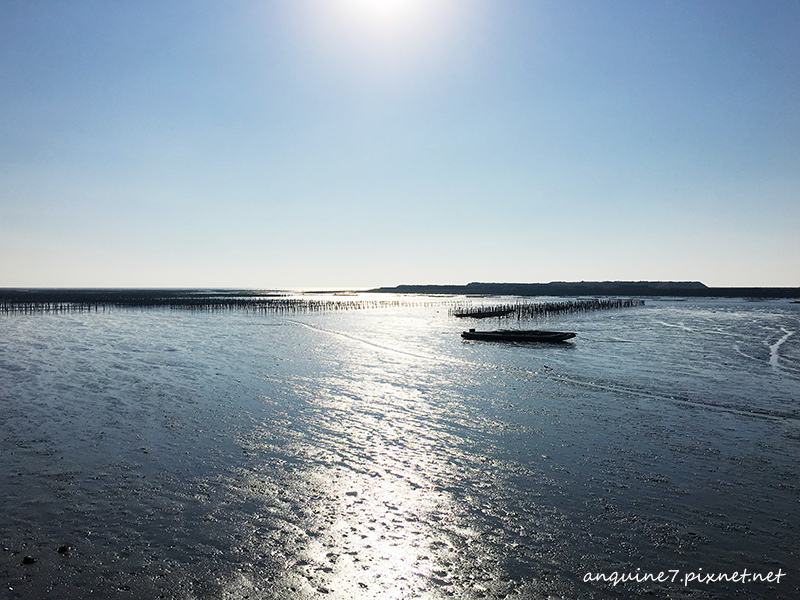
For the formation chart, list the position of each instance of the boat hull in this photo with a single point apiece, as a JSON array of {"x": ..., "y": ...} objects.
[{"x": 518, "y": 335}]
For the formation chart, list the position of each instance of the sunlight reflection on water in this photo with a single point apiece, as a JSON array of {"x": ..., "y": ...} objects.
[
  {"x": 375, "y": 454},
  {"x": 380, "y": 452}
]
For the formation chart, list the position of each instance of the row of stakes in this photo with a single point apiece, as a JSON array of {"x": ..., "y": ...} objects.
[
  {"x": 82, "y": 302},
  {"x": 522, "y": 310}
]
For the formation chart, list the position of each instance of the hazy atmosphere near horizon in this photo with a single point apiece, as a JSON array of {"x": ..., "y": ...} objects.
[{"x": 360, "y": 143}]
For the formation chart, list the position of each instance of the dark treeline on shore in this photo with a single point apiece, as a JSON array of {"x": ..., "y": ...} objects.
[{"x": 598, "y": 288}]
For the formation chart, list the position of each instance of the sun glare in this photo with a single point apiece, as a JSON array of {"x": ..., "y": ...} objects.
[
  {"x": 380, "y": 39},
  {"x": 385, "y": 12},
  {"x": 391, "y": 21}
]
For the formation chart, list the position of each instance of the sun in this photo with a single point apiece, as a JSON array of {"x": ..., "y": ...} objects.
[
  {"x": 386, "y": 15},
  {"x": 383, "y": 44},
  {"x": 386, "y": 8}
]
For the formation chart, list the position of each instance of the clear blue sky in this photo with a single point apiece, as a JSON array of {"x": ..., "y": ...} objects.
[{"x": 358, "y": 143}]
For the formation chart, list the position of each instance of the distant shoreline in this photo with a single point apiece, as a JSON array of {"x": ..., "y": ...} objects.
[
  {"x": 694, "y": 289},
  {"x": 202, "y": 296}
]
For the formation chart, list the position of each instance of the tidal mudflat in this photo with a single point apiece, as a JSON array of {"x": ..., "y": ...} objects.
[{"x": 373, "y": 453}]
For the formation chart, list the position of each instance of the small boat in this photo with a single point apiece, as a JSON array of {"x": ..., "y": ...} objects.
[{"x": 518, "y": 335}]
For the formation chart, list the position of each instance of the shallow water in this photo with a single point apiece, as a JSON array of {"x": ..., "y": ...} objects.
[{"x": 374, "y": 454}]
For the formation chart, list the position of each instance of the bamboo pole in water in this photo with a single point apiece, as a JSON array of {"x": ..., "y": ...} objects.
[
  {"x": 38, "y": 301},
  {"x": 543, "y": 309},
  {"x": 15, "y": 301}
]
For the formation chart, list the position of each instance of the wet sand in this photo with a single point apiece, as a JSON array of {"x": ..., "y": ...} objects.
[{"x": 160, "y": 454}]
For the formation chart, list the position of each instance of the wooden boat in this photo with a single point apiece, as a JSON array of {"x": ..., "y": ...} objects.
[{"x": 518, "y": 335}]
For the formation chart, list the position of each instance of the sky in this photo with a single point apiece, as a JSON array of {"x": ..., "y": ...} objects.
[{"x": 292, "y": 144}]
